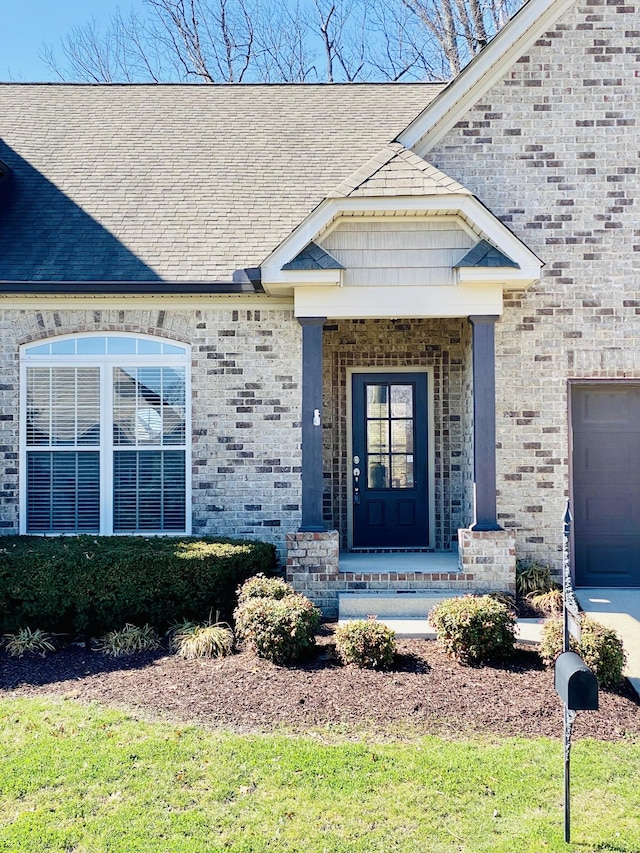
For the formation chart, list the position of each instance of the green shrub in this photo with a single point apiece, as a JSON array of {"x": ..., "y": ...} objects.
[
  {"x": 260, "y": 586},
  {"x": 280, "y": 630},
  {"x": 129, "y": 641},
  {"x": 192, "y": 640},
  {"x": 552, "y": 640},
  {"x": 94, "y": 584},
  {"x": 366, "y": 643},
  {"x": 473, "y": 628},
  {"x": 25, "y": 641},
  {"x": 600, "y": 648}
]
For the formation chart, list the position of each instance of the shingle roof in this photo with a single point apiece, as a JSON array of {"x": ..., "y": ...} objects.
[
  {"x": 483, "y": 254},
  {"x": 181, "y": 183},
  {"x": 313, "y": 257},
  {"x": 396, "y": 171}
]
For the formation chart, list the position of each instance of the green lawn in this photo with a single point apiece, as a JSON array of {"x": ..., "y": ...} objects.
[{"x": 89, "y": 780}]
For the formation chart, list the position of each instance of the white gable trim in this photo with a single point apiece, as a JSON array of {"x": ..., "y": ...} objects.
[
  {"x": 491, "y": 64},
  {"x": 275, "y": 280}
]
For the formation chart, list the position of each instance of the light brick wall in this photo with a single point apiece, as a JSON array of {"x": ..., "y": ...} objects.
[
  {"x": 246, "y": 368},
  {"x": 553, "y": 151}
]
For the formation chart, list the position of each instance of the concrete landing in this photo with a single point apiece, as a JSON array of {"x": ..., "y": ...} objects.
[
  {"x": 618, "y": 609},
  {"x": 528, "y": 630}
]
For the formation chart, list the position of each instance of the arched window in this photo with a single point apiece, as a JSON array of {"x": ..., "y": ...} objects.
[{"x": 104, "y": 435}]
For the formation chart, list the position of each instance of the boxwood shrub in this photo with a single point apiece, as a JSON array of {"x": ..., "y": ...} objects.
[
  {"x": 281, "y": 630},
  {"x": 93, "y": 584},
  {"x": 474, "y": 628},
  {"x": 366, "y": 644},
  {"x": 599, "y": 647}
]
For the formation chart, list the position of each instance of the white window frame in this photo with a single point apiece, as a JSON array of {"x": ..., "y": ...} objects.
[{"x": 106, "y": 363}]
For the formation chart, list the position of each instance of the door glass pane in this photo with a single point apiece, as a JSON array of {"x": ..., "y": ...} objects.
[
  {"x": 378, "y": 472},
  {"x": 402, "y": 436},
  {"x": 390, "y": 436},
  {"x": 377, "y": 401},
  {"x": 377, "y": 436},
  {"x": 402, "y": 401},
  {"x": 402, "y": 471}
]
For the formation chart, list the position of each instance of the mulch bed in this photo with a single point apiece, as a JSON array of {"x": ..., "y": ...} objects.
[{"x": 424, "y": 693}]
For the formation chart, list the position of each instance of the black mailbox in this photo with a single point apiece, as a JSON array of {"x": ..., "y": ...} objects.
[{"x": 575, "y": 684}]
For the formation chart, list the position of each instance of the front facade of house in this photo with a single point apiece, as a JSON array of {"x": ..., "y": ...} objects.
[{"x": 397, "y": 320}]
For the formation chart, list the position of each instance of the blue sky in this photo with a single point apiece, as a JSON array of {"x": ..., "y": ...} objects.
[{"x": 26, "y": 24}]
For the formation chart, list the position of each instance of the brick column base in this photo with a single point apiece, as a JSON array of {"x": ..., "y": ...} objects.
[
  {"x": 312, "y": 566},
  {"x": 490, "y": 557}
]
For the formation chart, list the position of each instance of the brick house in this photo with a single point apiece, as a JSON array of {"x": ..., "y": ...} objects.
[{"x": 350, "y": 319}]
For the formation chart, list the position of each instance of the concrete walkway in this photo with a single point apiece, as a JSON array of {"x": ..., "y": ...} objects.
[{"x": 618, "y": 609}]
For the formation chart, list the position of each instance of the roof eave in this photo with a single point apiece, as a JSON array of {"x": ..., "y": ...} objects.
[{"x": 125, "y": 288}]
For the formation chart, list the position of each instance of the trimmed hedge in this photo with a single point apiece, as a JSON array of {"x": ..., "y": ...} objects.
[{"x": 93, "y": 584}]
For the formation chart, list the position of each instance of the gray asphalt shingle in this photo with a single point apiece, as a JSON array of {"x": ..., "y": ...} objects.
[{"x": 180, "y": 183}]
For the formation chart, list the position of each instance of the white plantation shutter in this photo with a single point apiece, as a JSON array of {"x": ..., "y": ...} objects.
[
  {"x": 104, "y": 435},
  {"x": 63, "y": 481}
]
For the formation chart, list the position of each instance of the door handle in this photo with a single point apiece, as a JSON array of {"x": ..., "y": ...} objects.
[{"x": 356, "y": 482}]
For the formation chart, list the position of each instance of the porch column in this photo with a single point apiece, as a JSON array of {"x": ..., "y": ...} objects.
[
  {"x": 311, "y": 424},
  {"x": 484, "y": 422}
]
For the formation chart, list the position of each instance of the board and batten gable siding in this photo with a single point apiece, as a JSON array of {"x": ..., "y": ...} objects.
[
  {"x": 386, "y": 252},
  {"x": 553, "y": 151},
  {"x": 245, "y": 407}
]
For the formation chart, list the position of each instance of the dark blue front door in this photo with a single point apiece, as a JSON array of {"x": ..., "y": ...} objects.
[{"x": 389, "y": 462}]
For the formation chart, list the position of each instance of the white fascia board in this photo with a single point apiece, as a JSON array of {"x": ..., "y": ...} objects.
[
  {"x": 399, "y": 301},
  {"x": 287, "y": 279},
  {"x": 505, "y": 276},
  {"x": 491, "y": 64},
  {"x": 298, "y": 239}
]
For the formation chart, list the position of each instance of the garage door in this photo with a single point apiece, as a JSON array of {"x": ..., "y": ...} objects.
[{"x": 606, "y": 483}]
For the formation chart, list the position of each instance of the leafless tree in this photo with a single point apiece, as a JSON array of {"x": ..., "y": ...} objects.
[
  {"x": 461, "y": 28},
  {"x": 235, "y": 41}
]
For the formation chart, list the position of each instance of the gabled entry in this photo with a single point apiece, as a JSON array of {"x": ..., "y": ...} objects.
[{"x": 390, "y": 490}]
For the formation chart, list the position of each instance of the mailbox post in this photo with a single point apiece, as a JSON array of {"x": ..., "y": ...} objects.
[{"x": 575, "y": 683}]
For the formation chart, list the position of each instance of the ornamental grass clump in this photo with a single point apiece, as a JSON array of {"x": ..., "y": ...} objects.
[
  {"x": 474, "y": 628},
  {"x": 129, "y": 640},
  {"x": 192, "y": 640},
  {"x": 600, "y": 648},
  {"x": 281, "y": 630},
  {"x": 532, "y": 578},
  {"x": 366, "y": 643},
  {"x": 25, "y": 641}
]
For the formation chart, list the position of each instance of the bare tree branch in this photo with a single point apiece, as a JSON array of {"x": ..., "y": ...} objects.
[{"x": 233, "y": 41}]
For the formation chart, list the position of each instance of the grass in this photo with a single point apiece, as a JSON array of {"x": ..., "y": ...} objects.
[{"x": 90, "y": 780}]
